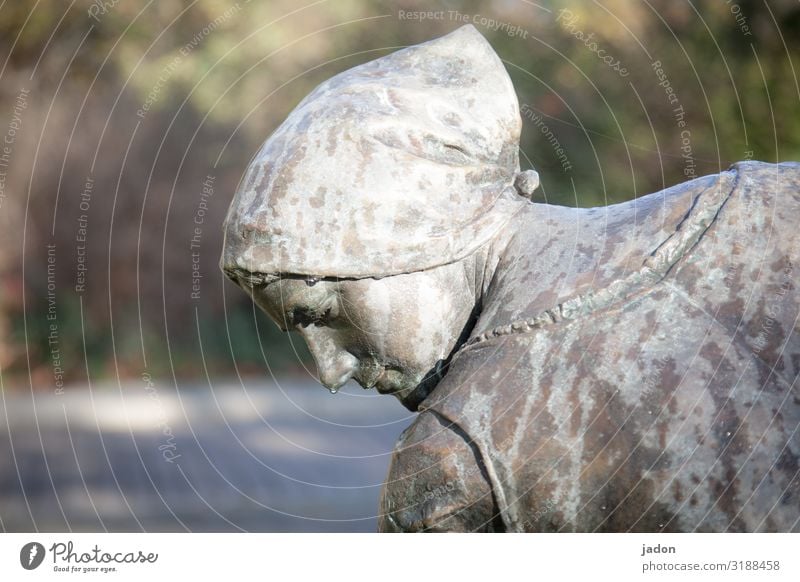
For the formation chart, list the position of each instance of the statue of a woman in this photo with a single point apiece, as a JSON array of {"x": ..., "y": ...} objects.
[{"x": 632, "y": 367}]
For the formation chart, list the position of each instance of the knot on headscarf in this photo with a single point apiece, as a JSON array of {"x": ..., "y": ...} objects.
[{"x": 526, "y": 182}]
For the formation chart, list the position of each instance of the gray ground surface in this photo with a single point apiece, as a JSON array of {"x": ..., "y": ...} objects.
[{"x": 263, "y": 457}]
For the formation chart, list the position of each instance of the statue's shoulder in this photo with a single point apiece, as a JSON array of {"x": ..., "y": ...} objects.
[{"x": 492, "y": 369}]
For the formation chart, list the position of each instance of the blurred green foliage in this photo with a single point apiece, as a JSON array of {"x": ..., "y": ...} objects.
[{"x": 149, "y": 97}]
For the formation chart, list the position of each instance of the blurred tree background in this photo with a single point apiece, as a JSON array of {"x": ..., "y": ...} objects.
[{"x": 126, "y": 126}]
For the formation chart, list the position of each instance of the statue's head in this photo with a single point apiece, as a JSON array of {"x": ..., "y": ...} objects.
[{"x": 358, "y": 221}]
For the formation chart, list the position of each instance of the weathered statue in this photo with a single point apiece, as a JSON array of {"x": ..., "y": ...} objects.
[{"x": 632, "y": 367}]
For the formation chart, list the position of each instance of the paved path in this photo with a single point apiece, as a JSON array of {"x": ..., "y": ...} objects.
[{"x": 146, "y": 457}]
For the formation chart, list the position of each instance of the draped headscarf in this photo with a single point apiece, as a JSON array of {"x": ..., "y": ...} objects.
[{"x": 398, "y": 165}]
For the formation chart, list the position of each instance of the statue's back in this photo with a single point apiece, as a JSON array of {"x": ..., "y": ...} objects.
[{"x": 675, "y": 408}]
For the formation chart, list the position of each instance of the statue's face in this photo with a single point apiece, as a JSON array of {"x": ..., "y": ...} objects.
[{"x": 392, "y": 334}]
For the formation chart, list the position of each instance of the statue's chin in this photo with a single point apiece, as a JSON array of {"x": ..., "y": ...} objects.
[
  {"x": 413, "y": 399},
  {"x": 410, "y": 389},
  {"x": 413, "y": 395}
]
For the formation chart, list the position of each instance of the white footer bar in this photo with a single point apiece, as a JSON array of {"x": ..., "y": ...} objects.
[{"x": 376, "y": 558}]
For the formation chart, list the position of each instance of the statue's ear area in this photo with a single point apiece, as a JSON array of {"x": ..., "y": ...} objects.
[{"x": 526, "y": 183}]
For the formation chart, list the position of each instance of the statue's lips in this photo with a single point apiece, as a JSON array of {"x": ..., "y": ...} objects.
[
  {"x": 383, "y": 384},
  {"x": 381, "y": 388}
]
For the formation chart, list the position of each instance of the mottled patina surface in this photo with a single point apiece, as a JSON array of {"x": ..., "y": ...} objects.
[
  {"x": 626, "y": 368},
  {"x": 673, "y": 407},
  {"x": 358, "y": 159}
]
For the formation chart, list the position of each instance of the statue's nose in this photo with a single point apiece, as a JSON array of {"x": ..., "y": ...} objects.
[{"x": 335, "y": 365}]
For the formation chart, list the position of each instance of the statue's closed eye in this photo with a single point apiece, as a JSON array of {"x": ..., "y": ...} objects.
[{"x": 305, "y": 317}]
